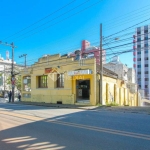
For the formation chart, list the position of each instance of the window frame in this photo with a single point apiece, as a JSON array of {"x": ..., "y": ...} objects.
[
  {"x": 146, "y": 65},
  {"x": 60, "y": 80},
  {"x": 41, "y": 79}
]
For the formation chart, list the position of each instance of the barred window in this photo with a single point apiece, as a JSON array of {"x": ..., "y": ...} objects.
[
  {"x": 60, "y": 80},
  {"x": 42, "y": 81}
]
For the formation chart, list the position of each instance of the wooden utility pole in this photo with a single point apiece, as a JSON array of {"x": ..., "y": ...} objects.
[
  {"x": 12, "y": 66},
  {"x": 12, "y": 72},
  {"x": 101, "y": 67},
  {"x": 4, "y": 80},
  {"x": 24, "y": 55}
]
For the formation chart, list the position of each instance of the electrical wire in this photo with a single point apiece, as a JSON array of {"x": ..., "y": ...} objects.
[{"x": 42, "y": 19}]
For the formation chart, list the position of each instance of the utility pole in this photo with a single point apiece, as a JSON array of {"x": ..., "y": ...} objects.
[
  {"x": 12, "y": 72},
  {"x": 101, "y": 67},
  {"x": 4, "y": 80},
  {"x": 24, "y": 55}
]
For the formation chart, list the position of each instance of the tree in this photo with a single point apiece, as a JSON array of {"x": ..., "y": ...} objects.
[{"x": 17, "y": 82}]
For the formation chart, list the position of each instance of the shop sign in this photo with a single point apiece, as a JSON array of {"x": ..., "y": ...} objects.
[
  {"x": 13, "y": 79},
  {"x": 50, "y": 70},
  {"x": 79, "y": 72}
]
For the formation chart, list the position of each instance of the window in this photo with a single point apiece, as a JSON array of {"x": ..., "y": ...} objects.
[
  {"x": 138, "y": 32},
  {"x": 146, "y": 72},
  {"x": 139, "y": 86},
  {"x": 139, "y": 66},
  {"x": 146, "y": 79},
  {"x": 146, "y": 65},
  {"x": 138, "y": 39},
  {"x": 27, "y": 83},
  {"x": 139, "y": 72},
  {"x": 42, "y": 81},
  {"x": 60, "y": 80},
  {"x": 146, "y": 86},
  {"x": 138, "y": 46},
  {"x": 138, "y": 52},
  {"x": 146, "y": 58},
  {"x": 146, "y": 51},
  {"x": 146, "y": 31},
  {"x": 139, "y": 79},
  {"x": 146, "y": 45},
  {"x": 139, "y": 59},
  {"x": 146, "y": 38}
]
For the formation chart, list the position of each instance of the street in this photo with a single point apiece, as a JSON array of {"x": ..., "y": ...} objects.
[{"x": 27, "y": 127}]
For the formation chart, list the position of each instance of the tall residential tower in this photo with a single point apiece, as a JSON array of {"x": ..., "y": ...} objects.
[{"x": 141, "y": 58}]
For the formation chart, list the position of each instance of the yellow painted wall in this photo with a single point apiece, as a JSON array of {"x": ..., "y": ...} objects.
[
  {"x": 114, "y": 90},
  {"x": 52, "y": 94}
]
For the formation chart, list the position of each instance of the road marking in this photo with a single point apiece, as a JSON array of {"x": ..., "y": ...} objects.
[
  {"x": 98, "y": 129},
  {"x": 33, "y": 118}
]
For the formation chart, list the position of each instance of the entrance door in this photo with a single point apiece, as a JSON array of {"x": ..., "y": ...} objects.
[{"x": 83, "y": 91}]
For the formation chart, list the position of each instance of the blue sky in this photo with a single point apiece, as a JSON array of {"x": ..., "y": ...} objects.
[{"x": 64, "y": 30}]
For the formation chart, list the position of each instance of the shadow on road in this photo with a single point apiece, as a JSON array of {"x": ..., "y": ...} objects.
[{"x": 59, "y": 132}]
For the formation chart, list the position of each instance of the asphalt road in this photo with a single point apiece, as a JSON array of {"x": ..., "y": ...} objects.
[{"x": 27, "y": 127}]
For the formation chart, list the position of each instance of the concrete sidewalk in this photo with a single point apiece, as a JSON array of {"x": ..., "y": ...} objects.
[
  {"x": 58, "y": 105},
  {"x": 141, "y": 110},
  {"x": 123, "y": 109}
]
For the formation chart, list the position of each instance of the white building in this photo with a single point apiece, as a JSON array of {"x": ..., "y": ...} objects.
[
  {"x": 119, "y": 68},
  {"x": 5, "y": 73},
  {"x": 141, "y": 58},
  {"x": 131, "y": 75},
  {"x": 124, "y": 73}
]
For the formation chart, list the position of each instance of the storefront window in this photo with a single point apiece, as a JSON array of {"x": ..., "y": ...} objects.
[
  {"x": 27, "y": 83},
  {"x": 42, "y": 81},
  {"x": 60, "y": 80}
]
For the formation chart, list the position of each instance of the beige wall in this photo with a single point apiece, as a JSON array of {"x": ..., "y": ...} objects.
[{"x": 114, "y": 90}]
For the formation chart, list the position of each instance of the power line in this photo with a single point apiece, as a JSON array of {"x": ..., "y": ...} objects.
[
  {"x": 53, "y": 19},
  {"x": 128, "y": 28},
  {"x": 62, "y": 19},
  {"x": 128, "y": 20},
  {"x": 41, "y": 19},
  {"x": 129, "y": 13}
]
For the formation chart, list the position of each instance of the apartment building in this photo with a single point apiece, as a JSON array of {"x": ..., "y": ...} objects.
[
  {"x": 141, "y": 61},
  {"x": 88, "y": 51}
]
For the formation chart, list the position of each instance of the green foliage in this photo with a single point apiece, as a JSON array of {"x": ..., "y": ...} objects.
[
  {"x": 99, "y": 104},
  {"x": 17, "y": 82},
  {"x": 112, "y": 104}
]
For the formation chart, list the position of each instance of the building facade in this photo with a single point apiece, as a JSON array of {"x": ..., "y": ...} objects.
[
  {"x": 62, "y": 80},
  {"x": 88, "y": 51},
  {"x": 141, "y": 55},
  {"x": 5, "y": 73},
  {"x": 119, "y": 68}
]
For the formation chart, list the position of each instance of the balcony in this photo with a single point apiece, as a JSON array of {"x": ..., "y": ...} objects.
[
  {"x": 134, "y": 47},
  {"x": 134, "y": 59},
  {"x": 134, "y": 41},
  {"x": 134, "y": 53}
]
